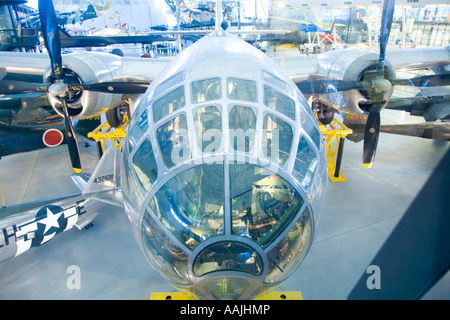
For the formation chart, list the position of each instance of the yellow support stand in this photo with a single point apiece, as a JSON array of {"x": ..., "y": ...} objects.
[
  {"x": 336, "y": 130},
  {"x": 282, "y": 295},
  {"x": 170, "y": 296},
  {"x": 274, "y": 295},
  {"x": 105, "y": 132}
]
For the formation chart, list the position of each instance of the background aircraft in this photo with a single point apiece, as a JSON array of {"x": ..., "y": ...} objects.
[
  {"x": 201, "y": 252},
  {"x": 76, "y": 16},
  {"x": 63, "y": 18}
]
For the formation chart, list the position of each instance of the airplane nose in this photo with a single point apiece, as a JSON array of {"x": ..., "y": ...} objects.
[{"x": 225, "y": 171}]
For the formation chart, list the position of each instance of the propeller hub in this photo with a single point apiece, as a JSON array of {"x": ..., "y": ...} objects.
[
  {"x": 382, "y": 85},
  {"x": 58, "y": 89}
]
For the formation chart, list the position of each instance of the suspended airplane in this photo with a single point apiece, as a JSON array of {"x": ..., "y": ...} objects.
[
  {"x": 223, "y": 169},
  {"x": 63, "y": 18},
  {"x": 76, "y": 16}
]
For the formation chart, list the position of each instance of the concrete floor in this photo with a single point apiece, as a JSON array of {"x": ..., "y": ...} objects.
[{"x": 359, "y": 216}]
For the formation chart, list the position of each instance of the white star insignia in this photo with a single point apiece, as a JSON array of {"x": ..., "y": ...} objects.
[{"x": 51, "y": 220}]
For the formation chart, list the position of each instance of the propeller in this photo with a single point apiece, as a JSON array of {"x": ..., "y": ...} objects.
[
  {"x": 52, "y": 41},
  {"x": 378, "y": 85},
  {"x": 118, "y": 87},
  {"x": 50, "y": 33},
  {"x": 372, "y": 130}
]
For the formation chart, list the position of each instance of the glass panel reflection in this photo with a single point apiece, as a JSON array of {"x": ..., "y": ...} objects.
[
  {"x": 191, "y": 204},
  {"x": 239, "y": 89},
  {"x": 160, "y": 250},
  {"x": 242, "y": 123},
  {"x": 205, "y": 90},
  {"x": 144, "y": 164},
  {"x": 173, "y": 140},
  {"x": 227, "y": 256},
  {"x": 286, "y": 255},
  {"x": 227, "y": 288},
  {"x": 311, "y": 130},
  {"x": 208, "y": 128},
  {"x": 305, "y": 165},
  {"x": 169, "y": 103},
  {"x": 277, "y": 139},
  {"x": 279, "y": 102},
  {"x": 262, "y": 203},
  {"x": 137, "y": 130}
]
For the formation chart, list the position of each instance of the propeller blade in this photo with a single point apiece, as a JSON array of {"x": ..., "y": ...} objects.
[
  {"x": 435, "y": 80},
  {"x": 386, "y": 22},
  {"x": 18, "y": 87},
  {"x": 120, "y": 87},
  {"x": 371, "y": 134},
  {"x": 71, "y": 140},
  {"x": 328, "y": 86},
  {"x": 50, "y": 32}
]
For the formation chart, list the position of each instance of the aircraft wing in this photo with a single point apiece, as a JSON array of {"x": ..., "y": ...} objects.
[
  {"x": 304, "y": 67},
  {"x": 33, "y": 224},
  {"x": 418, "y": 58},
  {"x": 30, "y": 67}
]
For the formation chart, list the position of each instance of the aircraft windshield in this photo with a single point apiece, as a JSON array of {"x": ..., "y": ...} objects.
[
  {"x": 277, "y": 138},
  {"x": 169, "y": 103},
  {"x": 239, "y": 89},
  {"x": 205, "y": 90},
  {"x": 262, "y": 203},
  {"x": 191, "y": 204},
  {"x": 279, "y": 102}
]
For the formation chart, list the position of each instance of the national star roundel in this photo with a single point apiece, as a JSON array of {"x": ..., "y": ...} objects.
[
  {"x": 50, "y": 220},
  {"x": 52, "y": 137}
]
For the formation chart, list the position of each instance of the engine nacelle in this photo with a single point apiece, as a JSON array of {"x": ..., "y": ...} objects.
[
  {"x": 80, "y": 68},
  {"x": 352, "y": 65}
]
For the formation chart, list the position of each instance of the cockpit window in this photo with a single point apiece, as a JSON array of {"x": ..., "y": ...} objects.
[
  {"x": 242, "y": 124},
  {"x": 275, "y": 81},
  {"x": 173, "y": 140},
  {"x": 279, "y": 102},
  {"x": 137, "y": 130},
  {"x": 305, "y": 165},
  {"x": 206, "y": 90},
  {"x": 311, "y": 129},
  {"x": 262, "y": 203},
  {"x": 169, "y": 103},
  {"x": 190, "y": 205},
  {"x": 277, "y": 139},
  {"x": 239, "y": 89},
  {"x": 144, "y": 164},
  {"x": 172, "y": 81},
  {"x": 208, "y": 128}
]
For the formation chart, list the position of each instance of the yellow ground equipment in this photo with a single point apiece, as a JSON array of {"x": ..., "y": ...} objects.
[
  {"x": 336, "y": 130},
  {"x": 105, "y": 132}
]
